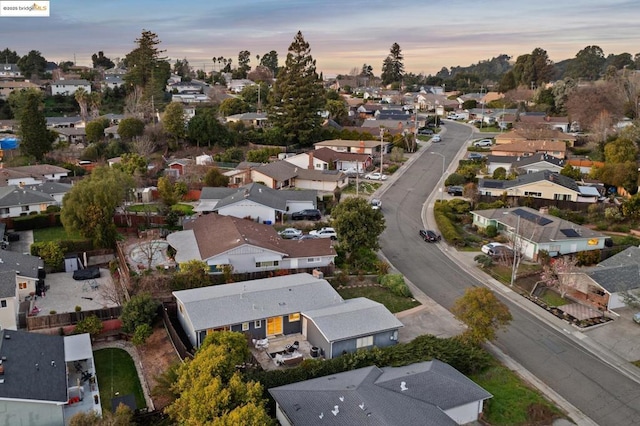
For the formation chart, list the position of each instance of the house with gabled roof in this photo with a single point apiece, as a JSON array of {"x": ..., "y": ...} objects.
[
  {"x": 10, "y": 71},
  {"x": 283, "y": 174},
  {"x": 69, "y": 87},
  {"x": 44, "y": 172},
  {"x": 247, "y": 246},
  {"x": 47, "y": 386},
  {"x": 535, "y": 231},
  {"x": 7, "y": 87},
  {"x": 544, "y": 184},
  {"x": 425, "y": 393},
  {"x": 282, "y": 305},
  {"x": 256, "y": 119},
  {"x": 56, "y": 189},
  {"x": 371, "y": 147},
  {"x": 328, "y": 159},
  {"x": 535, "y": 133},
  {"x": 556, "y": 149},
  {"x": 523, "y": 165},
  {"x": 21, "y": 275},
  {"x": 16, "y": 201}
]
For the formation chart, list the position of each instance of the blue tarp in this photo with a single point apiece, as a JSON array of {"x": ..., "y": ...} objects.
[{"x": 9, "y": 143}]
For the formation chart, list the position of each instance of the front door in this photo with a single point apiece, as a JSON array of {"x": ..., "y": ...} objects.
[{"x": 274, "y": 326}]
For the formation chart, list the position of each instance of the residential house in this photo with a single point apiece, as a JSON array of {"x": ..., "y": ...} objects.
[
  {"x": 255, "y": 119},
  {"x": 276, "y": 306},
  {"x": 16, "y": 201},
  {"x": 177, "y": 168},
  {"x": 184, "y": 87},
  {"x": 541, "y": 120},
  {"x": 524, "y": 165},
  {"x": 21, "y": 276},
  {"x": 55, "y": 189},
  {"x": 400, "y": 126},
  {"x": 328, "y": 159},
  {"x": 10, "y": 71},
  {"x": 276, "y": 175},
  {"x": 7, "y": 87},
  {"x": 543, "y": 184},
  {"x": 60, "y": 122},
  {"x": 46, "y": 379},
  {"x": 42, "y": 172},
  {"x": 72, "y": 135},
  {"x": 69, "y": 87},
  {"x": 556, "y": 149},
  {"x": 247, "y": 246},
  {"x": 536, "y": 133},
  {"x": 585, "y": 165},
  {"x": 425, "y": 393},
  {"x": 533, "y": 231},
  {"x": 255, "y": 201},
  {"x": 112, "y": 81},
  {"x": 283, "y": 174},
  {"x": 371, "y": 147},
  {"x": 187, "y": 98}
]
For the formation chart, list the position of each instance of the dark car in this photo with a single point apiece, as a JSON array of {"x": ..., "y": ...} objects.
[
  {"x": 501, "y": 252},
  {"x": 425, "y": 131},
  {"x": 455, "y": 190},
  {"x": 310, "y": 214},
  {"x": 429, "y": 235}
]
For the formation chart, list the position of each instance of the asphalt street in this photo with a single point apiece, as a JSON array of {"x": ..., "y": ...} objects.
[{"x": 598, "y": 389}]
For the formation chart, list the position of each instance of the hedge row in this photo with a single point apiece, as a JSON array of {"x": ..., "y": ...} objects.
[
  {"x": 37, "y": 221},
  {"x": 395, "y": 283},
  {"x": 67, "y": 246},
  {"x": 446, "y": 227}
]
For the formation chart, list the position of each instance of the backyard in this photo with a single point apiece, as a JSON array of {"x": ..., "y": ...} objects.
[
  {"x": 379, "y": 294},
  {"x": 117, "y": 376},
  {"x": 54, "y": 234}
]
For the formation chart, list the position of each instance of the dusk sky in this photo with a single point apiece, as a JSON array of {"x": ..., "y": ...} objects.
[{"x": 342, "y": 34}]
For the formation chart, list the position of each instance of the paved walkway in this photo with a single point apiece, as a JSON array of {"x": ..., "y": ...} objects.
[{"x": 133, "y": 351}]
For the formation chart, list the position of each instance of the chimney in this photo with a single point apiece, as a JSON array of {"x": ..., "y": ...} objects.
[{"x": 310, "y": 154}]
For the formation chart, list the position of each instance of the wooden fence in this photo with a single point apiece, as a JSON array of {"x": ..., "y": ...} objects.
[
  {"x": 170, "y": 310},
  {"x": 60, "y": 320},
  {"x": 124, "y": 275}
]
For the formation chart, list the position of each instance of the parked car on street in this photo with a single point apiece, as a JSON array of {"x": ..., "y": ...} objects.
[
  {"x": 375, "y": 176},
  {"x": 425, "y": 131},
  {"x": 290, "y": 233},
  {"x": 429, "y": 236},
  {"x": 309, "y": 214},
  {"x": 376, "y": 204},
  {"x": 436, "y": 138},
  {"x": 636, "y": 317},
  {"x": 483, "y": 143},
  {"x": 324, "y": 233},
  {"x": 490, "y": 246}
]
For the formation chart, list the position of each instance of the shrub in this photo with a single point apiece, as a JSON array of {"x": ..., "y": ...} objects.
[
  {"x": 141, "y": 309},
  {"x": 395, "y": 283},
  {"x": 91, "y": 325},
  {"x": 141, "y": 334},
  {"x": 588, "y": 257},
  {"x": 78, "y": 308},
  {"x": 392, "y": 168},
  {"x": 53, "y": 312},
  {"x": 491, "y": 231}
]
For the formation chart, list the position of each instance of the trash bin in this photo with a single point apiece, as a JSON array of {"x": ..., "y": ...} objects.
[{"x": 315, "y": 352}]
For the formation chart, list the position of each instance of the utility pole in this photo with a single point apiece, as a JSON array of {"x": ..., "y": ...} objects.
[{"x": 381, "y": 151}]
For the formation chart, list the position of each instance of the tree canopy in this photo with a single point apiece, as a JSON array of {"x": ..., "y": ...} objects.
[
  {"x": 89, "y": 206},
  {"x": 35, "y": 139},
  {"x": 392, "y": 67},
  {"x": 298, "y": 96},
  {"x": 482, "y": 312},
  {"x": 357, "y": 224}
]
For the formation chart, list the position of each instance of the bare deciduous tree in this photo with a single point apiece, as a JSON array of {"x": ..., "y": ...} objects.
[{"x": 562, "y": 274}]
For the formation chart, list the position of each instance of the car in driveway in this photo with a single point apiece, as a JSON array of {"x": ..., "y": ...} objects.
[
  {"x": 305, "y": 237},
  {"x": 375, "y": 176},
  {"x": 501, "y": 252},
  {"x": 309, "y": 214},
  {"x": 324, "y": 233},
  {"x": 483, "y": 143},
  {"x": 289, "y": 233},
  {"x": 455, "y": 190},
  {"x": 474, "y": 156},
  {"x": 429, "y": 236},
  {"x": 490, "y": 246}
]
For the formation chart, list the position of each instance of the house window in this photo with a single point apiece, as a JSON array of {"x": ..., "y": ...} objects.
[
  {"x": 257, "y": 324},
  {"x": 313, "y": 259},
  {"x": 364, "y": 342},
  {"x": 22, "y": 286},
  {"x": 532, "y": 194},
  {"x": 294, "y": 317},
  {"x": 25, "y": 208},
  {"x": 563, "y": 197},
  {"x": 245, "y": 326},
  {"x": 3, "y": 303},
  {"x": 4, "y": 211},
  {"x": 267, "y": 264}
]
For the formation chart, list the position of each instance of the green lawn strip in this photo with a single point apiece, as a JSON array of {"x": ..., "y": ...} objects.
[
  {"x": 551, "y": 298},
  {"x": 54, "y": 234},
  {"x": 186, "y": 209},
  {"x": 512, "y": 398},
  {"x": 116, "y": 372},
  {"x": 381, "y": 295},
  {"x": 366, "y": 187},
  {"x": 142, "y": 208}
]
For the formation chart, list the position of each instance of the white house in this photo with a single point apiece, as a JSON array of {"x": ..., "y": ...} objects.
[{"x": 69, "y": 87}]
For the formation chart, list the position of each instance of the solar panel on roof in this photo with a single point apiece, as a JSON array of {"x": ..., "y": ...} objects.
[
  {"x": 493, "y": 184},
  {"x": 571, "y": 233},
  {"x": 532, "y": 217}
]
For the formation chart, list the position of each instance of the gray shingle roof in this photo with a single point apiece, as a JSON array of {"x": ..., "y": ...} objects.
[
  {"x": 13, "y": 195},
  {"x": 7, "y": 284},
  {"x": 344, "y": 320},
  {"x": 216, "y": 193},
  {"x": 25, "y": 264},
  {"x": 217, "y": 306},
  {"x": 374, "y": 396},
  {"x": 530, "y": 178},
  {"x": 257, "y": 193},
  {"x": 34, "y": 368},
  {"x": 629, "y": 256},
  {"x": 50, "y": 187},
  {"x": 616, "y": 278},
  {"x": 278, "y": 170}
]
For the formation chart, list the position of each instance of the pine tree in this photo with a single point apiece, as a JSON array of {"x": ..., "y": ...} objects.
[
  {"x": 392, "y": 67},
  {"x": 298, "y": 96},
  {"x": 35, "y": 139}
]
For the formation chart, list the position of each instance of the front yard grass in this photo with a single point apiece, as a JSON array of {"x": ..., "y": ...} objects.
[
  {"x": 366, "y": 187},
  {"x": 381, "y": 295},
  {"x": 55, "y": 234},
  {"x": 117, "y": 374},
  {"x": 551, "y": 298},
  {"x": 513, "y": 402}
]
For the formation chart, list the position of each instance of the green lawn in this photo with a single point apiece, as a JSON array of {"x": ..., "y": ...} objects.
[
  {"x": 187, "y": 209},
  {"x": 381, "y": 295},
  {"x": 54, "y": 234},
  {"x": 366, "y": 187},
  {"x": 551, "y": 298},
  {"x": 512, "y": 399},
  {"x": 117, "y": 373}
]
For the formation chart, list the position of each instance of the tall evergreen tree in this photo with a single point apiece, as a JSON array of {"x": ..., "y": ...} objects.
[
  {"x": 270, "y": 60},
  {"x": 8, "y": 56},
  {"x": 298, "y": 96},
  {"x": 534, "y": 68},
  {"x": 33, "y": 65},
  {"x": 392, "y": 67},
  {"x": 35, "y": 139}
]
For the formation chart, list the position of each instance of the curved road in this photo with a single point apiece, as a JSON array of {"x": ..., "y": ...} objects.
[{"x": 601, "y": 392}]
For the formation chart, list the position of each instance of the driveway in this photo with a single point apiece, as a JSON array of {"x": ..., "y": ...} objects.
[{"x": 621, "y": 335}]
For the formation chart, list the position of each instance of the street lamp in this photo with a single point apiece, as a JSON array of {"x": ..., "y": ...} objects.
[
  {"x": 381, "y": 151},
  {"x": 442, "y": 177},
  {"x": 516, "y": 250}
]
